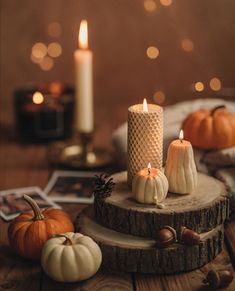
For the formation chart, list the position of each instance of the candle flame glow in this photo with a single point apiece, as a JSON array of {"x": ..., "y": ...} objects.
[
  {"x": 83, "y": 35},
  {"x": 149, "y": 168},
  {"x": 145, "y": 106},
  {"x": 181, "y": 135},
  {"x": 38, "y": 98}
]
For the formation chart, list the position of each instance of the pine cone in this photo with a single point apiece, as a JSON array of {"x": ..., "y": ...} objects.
[{"x": 103, "y": 186}]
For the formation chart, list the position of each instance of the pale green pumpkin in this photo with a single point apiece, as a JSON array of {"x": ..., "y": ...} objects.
[{"x": 71, "y": 257}]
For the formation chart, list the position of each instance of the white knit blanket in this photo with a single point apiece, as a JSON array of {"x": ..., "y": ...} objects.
[{"x": 220, "y": 164}]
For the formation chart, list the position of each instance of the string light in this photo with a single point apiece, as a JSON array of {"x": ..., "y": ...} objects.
[
  {"x": 150, "y": 5},
  {"x": 39, "y": 50},
  {"x": 152, "y": 52},
  {"x": 187, "y": 45},
  {"x": 47, "y": 64},
  {"x": 54, "y": 49},
  {"x": 159, "y": 97},
  {"x": 166, "y": 2},
  {"x": 35, "y": 60},
  {"x": 199, "y": 86},
  {"x": 215, "y": 84}
]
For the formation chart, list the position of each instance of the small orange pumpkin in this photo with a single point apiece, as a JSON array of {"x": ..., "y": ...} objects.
[
  {"x": 210, "y": 129},
  {"x": 29, "y": 231}
]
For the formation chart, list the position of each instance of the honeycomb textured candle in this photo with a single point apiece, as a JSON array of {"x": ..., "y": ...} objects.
[{"x": 145, "y": 138}]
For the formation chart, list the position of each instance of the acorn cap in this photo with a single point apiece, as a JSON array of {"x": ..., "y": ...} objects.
[
  {"x": 172, "y": 230},
  {"x": 165, "y": 236}
]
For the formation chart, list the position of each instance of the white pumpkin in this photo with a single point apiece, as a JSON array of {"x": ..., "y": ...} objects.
[
  {"x": 71, "y": 257},
  {"x": 180, "y": 168},
  {"x": 150, "y": 186}
]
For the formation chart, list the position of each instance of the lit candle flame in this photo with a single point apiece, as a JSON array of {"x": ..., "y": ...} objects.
[
  {"x": 149, "y": 168},
  {"x": 38, "y": 98},
  {"x": 145, "y": 106},
  {"x": 83, "y": 35},
  {"x": 181, "y": 135}
]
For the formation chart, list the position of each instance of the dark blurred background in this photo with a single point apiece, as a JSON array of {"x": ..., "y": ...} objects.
[{"x": 165, "y": 50}]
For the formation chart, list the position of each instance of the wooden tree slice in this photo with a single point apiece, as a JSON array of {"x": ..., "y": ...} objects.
[
  {"x": 129, "y": 253},
  {"x": 202, "y": 210}
]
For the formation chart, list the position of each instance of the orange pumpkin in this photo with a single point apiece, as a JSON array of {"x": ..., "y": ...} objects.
[
  {"x": 210, "y": 129},
  {"x": 29, "y": 231}
]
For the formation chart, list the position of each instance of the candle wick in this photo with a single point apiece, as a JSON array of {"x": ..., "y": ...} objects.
[
  {"x": 181, "y": 140},
  {"x": 148, "y": 171}
]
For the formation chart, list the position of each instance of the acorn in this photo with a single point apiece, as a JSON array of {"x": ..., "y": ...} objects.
[
  {"x": 166, "y": 236},
  {"x": 188, "y": 236},
  {"x": 219, "y": 278}
]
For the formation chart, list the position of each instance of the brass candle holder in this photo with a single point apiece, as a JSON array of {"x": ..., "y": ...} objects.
[{"x": 82, "y": 155}]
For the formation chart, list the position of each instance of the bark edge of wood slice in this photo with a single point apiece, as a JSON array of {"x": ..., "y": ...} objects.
[
  {"x": 202, "y": 210},
  {"x": 128, "y": 253}
]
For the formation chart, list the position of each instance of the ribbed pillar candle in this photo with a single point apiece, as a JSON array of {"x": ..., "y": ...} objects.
[{"x": 145, "y": 138}]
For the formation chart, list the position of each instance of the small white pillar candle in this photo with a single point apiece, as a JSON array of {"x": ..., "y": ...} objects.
[
  {"x": 83, "y": 83},
  {"x": 180, "y": 167}
]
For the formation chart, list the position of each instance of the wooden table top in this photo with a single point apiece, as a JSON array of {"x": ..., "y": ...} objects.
[{"x": 26, "y": 165}]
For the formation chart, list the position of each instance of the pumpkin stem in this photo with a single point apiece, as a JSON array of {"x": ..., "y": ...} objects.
[
  {"x": 67, "y": 242},
  {"x": 216, "y": 108},
  {"x": 36, "y": 210}
]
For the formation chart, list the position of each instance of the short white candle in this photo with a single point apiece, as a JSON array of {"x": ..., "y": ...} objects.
[
  {"x": 150, "y": 186},
  {"x": 83, "y": 82},
  {"x": 180, "y": 167}
]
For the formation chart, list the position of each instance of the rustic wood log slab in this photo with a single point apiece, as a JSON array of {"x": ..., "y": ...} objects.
[
  {"x": 129, "y": 253},
  {"x": 202, "y": 210}
]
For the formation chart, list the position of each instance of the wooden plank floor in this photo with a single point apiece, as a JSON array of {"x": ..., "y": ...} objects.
[{"x": 26, "y": 165}]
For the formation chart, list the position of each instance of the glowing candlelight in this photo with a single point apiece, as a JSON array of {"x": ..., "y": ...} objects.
[
  {"x": 83, "y": 35},
  {"x": 149, "y": 168},
  {"x": 181, "y": 135},
  {"x": 38, "y": 98},
  {"x": 145, "y": 106}
]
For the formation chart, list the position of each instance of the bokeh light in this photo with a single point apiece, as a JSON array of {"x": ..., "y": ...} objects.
[
  {"x": 54, "y": 29},
  {"x": 54, "y": 49},
  {"x": 46, "y": 64},
  {"x": 38, "y": 98},
  {"x": 187, "y": 45},
  {"x": 159, "y": 97},
  {"x": 215, "y": 84},
  {"x": 35, "y": 60},
  {"x": 39, "y": 50},
  {"x": 199, "y": 86},
  {"x": 166, "y": 2},
  {"x": 55, "y": 88},
  {"x": 150, "y": 5},
  {"x": 152, "y": 52}
]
